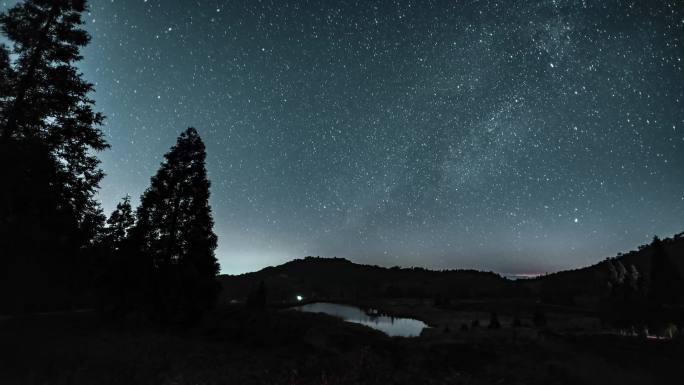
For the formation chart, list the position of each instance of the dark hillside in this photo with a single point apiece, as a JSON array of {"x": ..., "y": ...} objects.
[
  {"x": 338, "y": 278},
  {"x": 571, "y": 286}
]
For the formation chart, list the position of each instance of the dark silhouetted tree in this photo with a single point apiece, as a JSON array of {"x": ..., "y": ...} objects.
[
  {"x": 624, "y": 283},
  {"x": 119, "y": 277},
  {"x": 174, "y": 232},
  {"x": 48, "y": 136},
  {"x": 622, "y": 305},
  {"x": 47, "y": 102},
  {"x": 6, "y": 76},
  {"x": 665, "y": 282},
  {"x": 119, "y": 225}
]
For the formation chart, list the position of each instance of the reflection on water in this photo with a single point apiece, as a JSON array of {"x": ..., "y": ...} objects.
[{"x": 401, "y": 327}]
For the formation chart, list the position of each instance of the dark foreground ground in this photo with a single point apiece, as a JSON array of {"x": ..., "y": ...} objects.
[{"x": 238, "y": 346}]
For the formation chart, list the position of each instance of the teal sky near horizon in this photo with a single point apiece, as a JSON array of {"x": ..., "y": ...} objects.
[{"x": 516, "y": 136}]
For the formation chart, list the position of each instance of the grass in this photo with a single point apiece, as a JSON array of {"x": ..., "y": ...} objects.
[{"x": 238, "y": 346}]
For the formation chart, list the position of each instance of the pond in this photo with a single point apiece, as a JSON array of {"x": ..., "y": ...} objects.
[{"x": 392, "y": 326}]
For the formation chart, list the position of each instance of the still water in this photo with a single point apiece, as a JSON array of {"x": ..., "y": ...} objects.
[{"x": 399, "y": 327}]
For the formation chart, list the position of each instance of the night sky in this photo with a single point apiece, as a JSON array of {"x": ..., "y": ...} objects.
[{"x": 514, "y": 136}]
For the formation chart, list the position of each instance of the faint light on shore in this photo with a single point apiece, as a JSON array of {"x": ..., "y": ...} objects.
[{"x": 300, "y": 298}]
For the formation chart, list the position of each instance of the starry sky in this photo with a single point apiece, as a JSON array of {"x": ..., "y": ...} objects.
[{"x": 513, "y": 136}]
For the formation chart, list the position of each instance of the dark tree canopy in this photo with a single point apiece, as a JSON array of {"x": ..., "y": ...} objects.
[
  {"x": 665, "y": 281},
  {"x": 121, "y": 280},
  {"x": 46, "y": 100},
  {"x": 49, "y": 134},
  {"x": 174, "y": 229},
  {"x": 46, "y": 108},
  {"x": 119, "y": 224},
  {"x": 6, "y": 76}
]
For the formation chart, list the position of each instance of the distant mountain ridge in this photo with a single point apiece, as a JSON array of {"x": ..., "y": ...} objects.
[{"x": 341, "y": 279}]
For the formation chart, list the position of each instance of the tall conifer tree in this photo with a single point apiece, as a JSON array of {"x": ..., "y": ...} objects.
[
  {"x": 119, "y": 224},
  {"x": 666, "y": 283},
  {"x": 120, "y": 277},
  {"x": 46, "y": 102},
  {"x": 175, "y": 230},
  {"x": 48, "y": 135}
]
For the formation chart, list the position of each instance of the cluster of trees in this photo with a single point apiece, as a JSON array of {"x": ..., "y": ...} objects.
[
  {"x": 162, "y": 256},
  {"x": 666, "y": 283},
  {"x": 661, "y": 284},
  {"x": 53, "y": 235},
  {"x": 641, "y": 302},
  {"x": 624, "y": 283}
]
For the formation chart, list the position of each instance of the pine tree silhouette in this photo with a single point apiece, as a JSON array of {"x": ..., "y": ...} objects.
[
  {"x": 174, "y": 231},
  {"x": 119, "y": 224},
  {"x": 119, "y": 282},
  {"x": 48, "y": 100},
  {"x": 48, "y": 136},
  {"x": 6, "y": 76},
  {"x": 665, "y": 281}
]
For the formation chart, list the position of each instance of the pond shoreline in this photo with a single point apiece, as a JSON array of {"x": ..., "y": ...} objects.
[
  {"x": 366, "y": 305},
  {"x": 369, "y": 317}
]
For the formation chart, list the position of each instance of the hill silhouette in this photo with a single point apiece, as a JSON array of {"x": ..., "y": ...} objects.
[
  {"x": 317, "y": 278},
  {"x": 340, "y": 279},
  {"x": 587, "y": 283}
]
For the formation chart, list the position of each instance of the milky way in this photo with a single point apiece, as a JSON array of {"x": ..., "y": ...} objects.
[{"x": 515, "y": 136}]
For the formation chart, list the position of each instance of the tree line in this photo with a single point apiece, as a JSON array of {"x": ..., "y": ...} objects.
[{"x": 57, "y": 248}]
